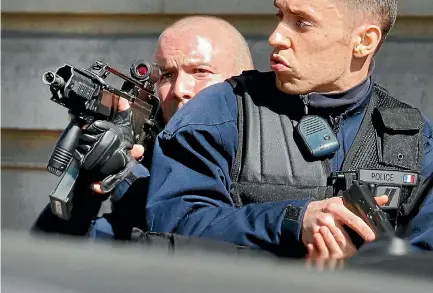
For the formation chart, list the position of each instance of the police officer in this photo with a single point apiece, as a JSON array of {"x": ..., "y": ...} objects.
[
  {"x": 193, "y": 53},
  {"x": 236, "y": 164}
]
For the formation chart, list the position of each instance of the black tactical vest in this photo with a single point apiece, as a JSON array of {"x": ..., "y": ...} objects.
[{"x": 269, "y": 165}]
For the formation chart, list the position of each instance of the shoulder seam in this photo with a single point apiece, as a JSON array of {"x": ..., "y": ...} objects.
[
  {"x": 221, "y": 138},
  {"x": 170, "y": 134}
]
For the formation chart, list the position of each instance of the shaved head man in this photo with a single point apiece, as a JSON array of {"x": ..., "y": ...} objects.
[{"x": 194, "y": 53}]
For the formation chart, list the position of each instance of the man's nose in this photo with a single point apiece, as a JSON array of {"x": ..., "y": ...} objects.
[
  {"x": 184, "y": 88},
  {"x": 280, "y": 38}
]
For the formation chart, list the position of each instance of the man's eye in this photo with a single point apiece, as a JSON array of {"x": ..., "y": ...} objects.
[
  {"x": 302, "y": 24},
  {"x": 201, "y": 71},
  {"x": 166, "y": 75}
]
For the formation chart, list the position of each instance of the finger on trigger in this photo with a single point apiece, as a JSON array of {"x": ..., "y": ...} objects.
[
  {"x": 381, "y": 200},
  {"x": 354, "y": 222}
]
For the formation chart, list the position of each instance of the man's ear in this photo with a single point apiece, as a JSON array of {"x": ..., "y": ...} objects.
[{"x": 366, "y": 40}]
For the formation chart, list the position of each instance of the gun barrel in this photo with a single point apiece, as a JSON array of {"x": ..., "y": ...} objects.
[{"x": 52, "y": 79}]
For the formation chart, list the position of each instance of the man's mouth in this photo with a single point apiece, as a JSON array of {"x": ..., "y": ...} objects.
[{"x": 278, "y": 63}]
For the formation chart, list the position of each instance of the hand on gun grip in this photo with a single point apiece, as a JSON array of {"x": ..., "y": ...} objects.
[
  {"x": 104, "y": 149},
  {"x": 324, "y": 234}
]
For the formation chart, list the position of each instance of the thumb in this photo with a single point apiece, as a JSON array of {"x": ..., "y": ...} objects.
[
  {"x": 97, "y": 188},
  {"x": 137, "y": 151},
  {"x": 123, "y": 104},
  {"x": 381, "y": 200}
]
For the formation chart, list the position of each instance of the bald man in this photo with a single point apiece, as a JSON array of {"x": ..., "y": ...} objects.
[{"x": 193, "y": 53}]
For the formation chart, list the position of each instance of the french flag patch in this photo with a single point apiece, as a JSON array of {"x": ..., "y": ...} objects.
[{"x": 407, "y": 178}]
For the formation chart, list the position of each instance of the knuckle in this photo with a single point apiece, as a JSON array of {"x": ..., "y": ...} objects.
[
  {"x": 351, "y": 220},
  {"x": 330, "y": 207},
  {"x": 326, "y": 219},
  {"x": 333, "y": 206},
  {"x": 323, "y": 218}
]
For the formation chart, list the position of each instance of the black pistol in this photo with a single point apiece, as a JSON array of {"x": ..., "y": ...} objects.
[
  {"x": 359, "y": 188},
  {"x": 359, "y": 200},
  {"x": 84, "y": 93}
]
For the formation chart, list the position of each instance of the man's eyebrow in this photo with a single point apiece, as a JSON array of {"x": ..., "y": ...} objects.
[
  {"x": 296, "y": 11},
  {"x": 163, "y": 68},
  {"x": 190, "y": 64},
  {"x": 198, "y": 64}
]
